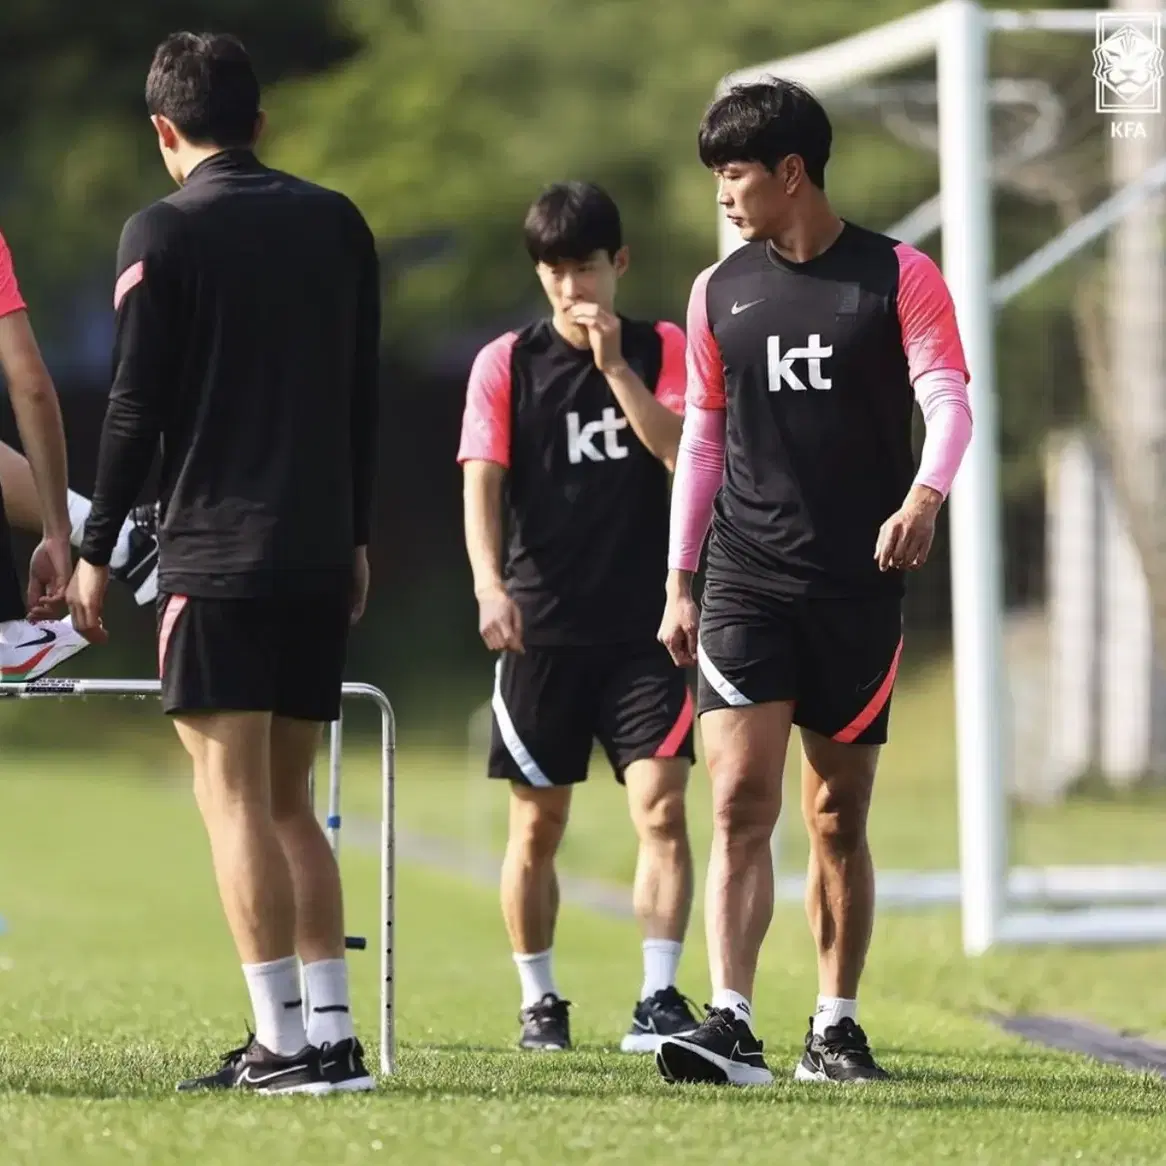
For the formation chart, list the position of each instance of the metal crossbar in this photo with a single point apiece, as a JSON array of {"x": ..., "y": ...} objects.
[{"x": 145, "y": 689}]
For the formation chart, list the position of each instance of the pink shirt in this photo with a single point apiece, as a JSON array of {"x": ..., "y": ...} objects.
[{"x": 10, "y": 297}]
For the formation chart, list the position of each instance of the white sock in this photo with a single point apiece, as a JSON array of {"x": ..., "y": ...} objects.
[
  {"x": 276, "y": 1003},
  {"x": 79, "y": 508},
  {"x": 831, "y": 1010},
  {"x": 736, "y": 1003},
  {"x": 661, "y": 959},
  {"x": 330, "y": 1019},
  {"x": 534, "y": 974}
]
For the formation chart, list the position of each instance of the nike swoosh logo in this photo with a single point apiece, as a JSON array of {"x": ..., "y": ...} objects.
[
  {"x": 46, "y": 637},
  {"x": 249, "y": 1078},
  {"x": 737, "y": 308},
  {"x": 739, "y": 1054},
  {"x": 864, "y": 687}
]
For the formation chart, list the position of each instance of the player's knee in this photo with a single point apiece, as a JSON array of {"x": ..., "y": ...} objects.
[
  {"x": 661, "y": 819},
  {"x": 837, "y": 821},
  {"x": 537, "y": 829},
  {"x": 745, "y": 812}
]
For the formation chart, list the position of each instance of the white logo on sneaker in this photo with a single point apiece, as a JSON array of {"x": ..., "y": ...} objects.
[{"x": 247, "y": 1077}]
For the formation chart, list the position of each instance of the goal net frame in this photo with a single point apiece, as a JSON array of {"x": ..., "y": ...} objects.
[{"x": 999, "y": 904}]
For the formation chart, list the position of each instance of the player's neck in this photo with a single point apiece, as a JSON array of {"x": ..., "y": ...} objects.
[
  {"x": 574, "y": 334},
  {"x": 806, "y": 239}
]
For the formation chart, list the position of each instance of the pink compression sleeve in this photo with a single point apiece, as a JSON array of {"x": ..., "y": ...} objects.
[
  {"x": 700, "y": 467},
  {"x": 943, "y": 396}
]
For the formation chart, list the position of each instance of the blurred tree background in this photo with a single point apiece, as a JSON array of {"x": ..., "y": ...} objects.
[{"x": 441, "y": 119}]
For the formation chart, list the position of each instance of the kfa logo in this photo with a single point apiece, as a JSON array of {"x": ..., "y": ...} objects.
[
  {"x": 581, "y": 438},
  {"x": 781, "y": 364}
]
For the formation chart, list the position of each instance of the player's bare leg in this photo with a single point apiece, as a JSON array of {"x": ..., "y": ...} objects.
[
  {"x": 530, "y": 907},
  {"x": 319, "y": 903},
  {"x": 231, "y": 752},
  {"x": 745, "y": 749},
  {"x": 135, "y": 558},
  {"x": 837, "y": 782},
  {"x": 661, "y": 896}
]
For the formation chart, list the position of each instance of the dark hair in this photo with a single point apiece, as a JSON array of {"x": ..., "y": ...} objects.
[
  {"x": 205, "y": 85},
  {"x": 572, "y": 220},
  {"x": 764, "y": 122}
]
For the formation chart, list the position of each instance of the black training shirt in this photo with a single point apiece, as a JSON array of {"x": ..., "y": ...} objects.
[
  {"x": 587, "y": 503},
  {"x": 247, "y": 337},
  {"x": 814, "y": 364}
]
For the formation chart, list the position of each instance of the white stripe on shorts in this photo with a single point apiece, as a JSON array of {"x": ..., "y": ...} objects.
[
  {"x": 726, "y": 691},
  {"x": 510, "y": 738}
]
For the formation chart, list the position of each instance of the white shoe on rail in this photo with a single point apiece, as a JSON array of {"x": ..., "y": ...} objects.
[{"x": 29, "y": 650}]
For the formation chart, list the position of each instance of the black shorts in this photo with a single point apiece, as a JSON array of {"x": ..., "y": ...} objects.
[
  {"x": 836, "y": 659},
  {"x": 550, "y": 704},
  {"x": 281, "y": 655}
]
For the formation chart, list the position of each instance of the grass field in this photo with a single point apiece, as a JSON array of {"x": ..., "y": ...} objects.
[{"x": 117, "y": 977}]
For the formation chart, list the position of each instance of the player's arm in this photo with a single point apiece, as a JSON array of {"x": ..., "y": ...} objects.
[
  {"x": 699, "y": 471},
  {"x": 365, "y": 405},
  {"x": 484, "y": 455},
  {"x": 148, "y": 340},
  {"x": 34, "y": 404},
  {"x": 655, "y": 424},
  {"x": 939, "y": 378}
]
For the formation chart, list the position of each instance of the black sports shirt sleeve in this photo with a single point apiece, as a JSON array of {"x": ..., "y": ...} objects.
[
  {"x": 366, "y": 383},
  {"x": 148, "y": 339}
]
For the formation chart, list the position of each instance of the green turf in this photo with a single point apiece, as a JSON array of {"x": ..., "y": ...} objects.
[{"x": 117, "y": 978}]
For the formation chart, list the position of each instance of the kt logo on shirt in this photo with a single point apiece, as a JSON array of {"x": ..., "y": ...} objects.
[
  {"x": 581, "y": 439},
  {"x": 781, "y": 364}
]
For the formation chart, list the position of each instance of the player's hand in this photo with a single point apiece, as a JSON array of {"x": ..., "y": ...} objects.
[
  {"x": 48, "y": 578},
  {"x": 500, "y": 621},
  {"x": 603, "y": 329},
  {"x": 680, "y": 626},
  {"x": 360, "y": 575},
  {"x": 905, "y": 539},
  {"x": 86, "y": 597}
]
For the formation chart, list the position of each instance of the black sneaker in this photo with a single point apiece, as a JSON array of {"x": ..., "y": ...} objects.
[
  {"x": 667, "y": 1013},
  {"x": 256, "y": 1068},
  {"x": 841, "y": 1054},
  {"x": 342, "y": 1067},
  {"x": 722, "y": 1051},
  {"x": 140, "y": 571},
  {"x": 545, "y": 1026}
]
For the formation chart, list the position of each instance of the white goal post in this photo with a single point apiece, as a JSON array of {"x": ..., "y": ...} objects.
[{"x": 1109, "y": 904}]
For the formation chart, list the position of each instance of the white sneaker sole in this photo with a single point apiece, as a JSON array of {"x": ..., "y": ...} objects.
[
  {"x": 680, "y": 1061},
  {"x": 355, "y": 1085}
]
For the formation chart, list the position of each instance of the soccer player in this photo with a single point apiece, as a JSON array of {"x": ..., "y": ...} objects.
[
  {"x": 30, "y": 650},
  {"x": 248, "y": 323},
  {"x": 808, "y": 348},
  {"x": 576, "y": 419}
]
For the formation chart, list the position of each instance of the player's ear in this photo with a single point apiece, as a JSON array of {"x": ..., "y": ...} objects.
[
  {"x": 620, "y": 261},
  {"x": 793, "y": 172},
  {"x": 167, "y": 134}
]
